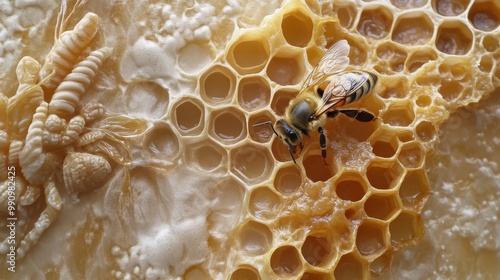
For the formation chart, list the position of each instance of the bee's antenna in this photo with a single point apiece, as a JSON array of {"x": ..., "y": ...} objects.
[
  {"x": 270, "y": 125},
  {"x": 291, "y": 154}
]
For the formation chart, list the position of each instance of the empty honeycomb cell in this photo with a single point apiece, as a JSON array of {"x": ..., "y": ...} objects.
[
  {"x": 375, "y": 22},
  {"x": 414, "y": 189},
  {"x": 188, "y": 116},
  {"x": 285, "y": 261},
  {"x": 411, "y": 155},
  {"x": 406, "y": 229},
  {"x": 491, "y": 43},
  {"x": 227, "y": 125},
  {"x": 288, "y": 179},
  {"x": 384, "y": 175},
  {"x": 370, "y": 239},
  {"x": 280, "y": 151},
  {"x": 281, "y": 99},
  {"x": 382, "y": 206},
  {"x": 162, "y": 142},
  {"x": 251, "y": 163},
  {"x": 382, "y": 263},
  {"x": 408, "y": 4},
  {"x": 423, "y": 101},
  {"x": 399, "y": 114},
  {"x": 297, "y": 28},
  {"x": 384, "y": 142},
  {"x": 351, "y": 266},
  {"x": 358, "y": 55},
  {"x": 314, "y": 55},
  {"x": 395, "y": 88},
  {"x": 245, "y": 272},
  {"x": 350, "y": 186},
  {"x": 263, "y": 203},
  {"x": 316, "y": 250},
  {"x": 253, "y": 93},
  {"x": 195, "y": 273},
  {"x": 346, "y": 13},
  {"x": 254, "y": 238},
  {"x": 308, "y": 275},
  {"x": 146, "y": 99},
  {"x": 249, "y": 53},
  {"x": 412, "y": 29},
  {"x": 405, "y": 135},
  {"x": 420, "y": 57},
  {"x": 485, "y": 15},
  {"x": 486, "y": 64},
  {"x": 315, "y": 167},
  {"x": 217, "y": 84},
  {"x": 450, "y": 7},
  {"x": 261, "y": 133},
  {"x": 286, "y": 67},
  {"x": 426, "y": 131},
  {"x": 206, "y": 155},
  {"x": 350, "y": 129},
  {"x": 393, "y": 56},
  {"x": 454, "y": 37}
]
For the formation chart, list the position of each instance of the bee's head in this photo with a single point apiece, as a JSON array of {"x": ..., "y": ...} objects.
[{"x": 290, "y": 136}]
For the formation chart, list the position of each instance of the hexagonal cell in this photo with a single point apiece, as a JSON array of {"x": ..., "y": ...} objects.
[
  {"x": 217, "y": 84},
  {"x": 188, "y": 115},
  {"x": 253, "y": 93},
  {"x": 450, "y": 89},
  {"x": 358, "y": 54},
  {"x": 384, "y": 142},
  {"x": 261, "y": 133},
  {"x": 351, "y": 266},
  {"x": 249, "y": 53},
  {"x": 281, "y": 99},
  {"x": 263, "y": 203},
  {"x": 423, "y": 101},
  {"x": 196, "y": 272},
  {"x": 486, "y": 63},
  {"x": 450, "y": 7},
  {"x": 371, "y": 238},
  {"x": 485, "y": 15},
  {"x": 317, "y": 250},
  {"x": 408, "y": 4},
  {"x": 411, "y": 155},
  {"x": 146, "y": 99},
  {"x": 286, "y": 67},
  {"x": 406, "y": 229},
  {"x": 406, "y": 135},
  {"x": 399, "y": 114},
  {"x": 454, "y": 37},
  {"x": 254, "y": 238},
  {"x": 412, "y": 29},
  {"x": 285, "y": 261},
  {"x": 315, "y": 166},
  {"x": 309, "y": 275},
  {"x": 384, "y": 175},
  {"x": 350, "y": 129},
  {"x": 392, "y": 58},
  {"x": 382, "y": 206},
  {"x": 350, "y": 186},
  {"x": 246, "y": 272},
  {"x": 314, "y": 55},
  {"x": 162, "y": 142},
  {"x": 280, "y": 151},
  {"x": 426, "y": 131},
  {"x": 288, "y": 179},
  {"x": 375, "y": 22},
  {"x": 419, "y": 58},
  {"x": 346, "y": 12},
  {"x": 206, "y": 155},
  {"x": 382, "y": 263},
  {"x": 395, "y": 88},
  {"x": 414, "y": 189},
  {"x": 251, "y": 163},
  {"x": 297, "y": 28},
  {"x": 227, "y": 125},
  {"x": 491, "y": 43}
]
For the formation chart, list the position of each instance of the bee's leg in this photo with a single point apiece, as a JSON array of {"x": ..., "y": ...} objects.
[
  {"x": 359, "y": 115},
  {"x": 322, "y": 143}
]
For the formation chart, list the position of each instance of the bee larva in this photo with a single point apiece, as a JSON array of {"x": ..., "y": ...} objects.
[
  {"x": 67, "y": 95},
  {"x": 67, "y": 48}
]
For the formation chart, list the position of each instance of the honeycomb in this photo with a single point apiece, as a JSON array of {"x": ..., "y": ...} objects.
[{"x": 206, "y": 195}]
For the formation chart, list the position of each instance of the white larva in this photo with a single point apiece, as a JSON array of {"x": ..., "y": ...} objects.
[{"x": 67, "y": 96}]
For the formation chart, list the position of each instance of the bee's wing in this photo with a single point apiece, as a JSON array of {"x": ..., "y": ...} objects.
[
  {"x": 338, "y": 91},
  {"x": 333, "y": 61}
]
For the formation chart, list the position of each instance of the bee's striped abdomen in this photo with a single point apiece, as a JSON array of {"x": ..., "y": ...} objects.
[{"x": 361, "y": 83}]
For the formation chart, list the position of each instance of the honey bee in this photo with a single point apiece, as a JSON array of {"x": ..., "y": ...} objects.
[{"x": 322, "y": 95}]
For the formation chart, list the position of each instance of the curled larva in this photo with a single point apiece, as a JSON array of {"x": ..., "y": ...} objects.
[
  {"x": 32, "y": 158},
  {"x": 92, "y": 111},
  {"x": 27, "y": 73},
  {"x": 14, "y": 151},
  {"x": 90, "y": 137},
  {"x": 66, "y": 50},
  {"x": 67, "y": 95},
  {"x": 73, "y": 130},
  {"x": 84, "y": 172}
]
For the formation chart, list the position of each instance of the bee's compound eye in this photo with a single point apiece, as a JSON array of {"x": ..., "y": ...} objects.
[
  {"x": 311, "y": 117},
  {"x": 293, "y": 136}
]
